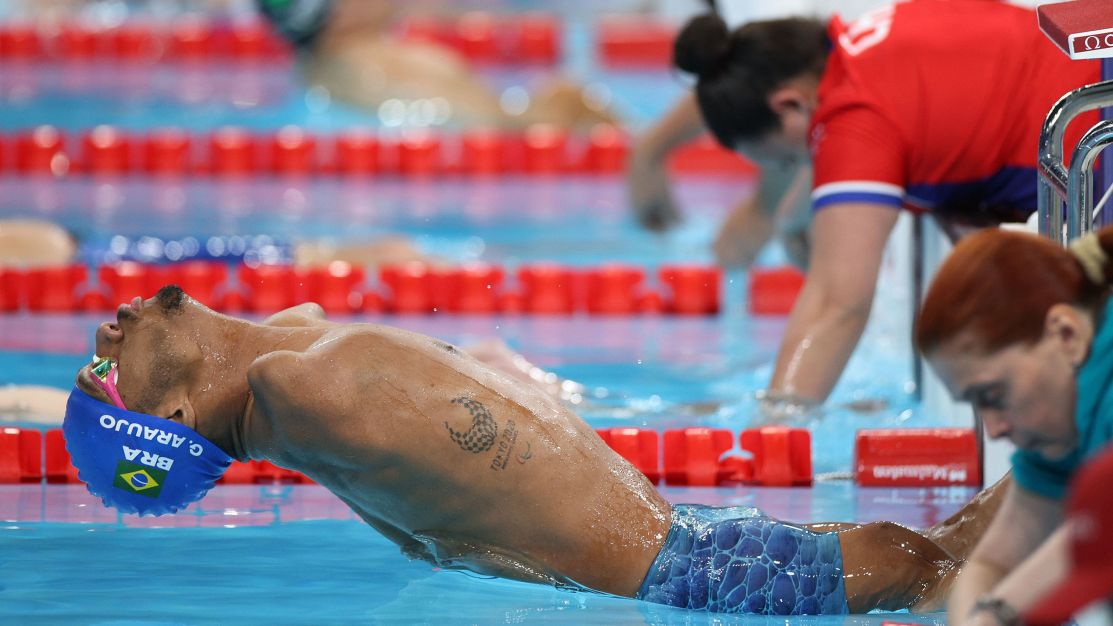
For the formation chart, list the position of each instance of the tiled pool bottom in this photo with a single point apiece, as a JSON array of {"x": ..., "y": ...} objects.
[{"x": 296, "y": 555}]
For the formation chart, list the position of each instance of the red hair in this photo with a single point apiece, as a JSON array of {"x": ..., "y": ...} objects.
[{"x": 998, "y": 286}]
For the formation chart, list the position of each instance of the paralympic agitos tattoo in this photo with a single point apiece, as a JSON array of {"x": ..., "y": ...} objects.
[{"x": 480, "y": 436}]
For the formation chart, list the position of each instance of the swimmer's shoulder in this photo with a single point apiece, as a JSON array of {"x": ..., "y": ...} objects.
[
  {"x": 308, "y": 314},
  {"x": 311, "y": 394}
]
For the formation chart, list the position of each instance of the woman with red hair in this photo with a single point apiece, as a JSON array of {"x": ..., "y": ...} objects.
[{"x": 1020, "y": 328}]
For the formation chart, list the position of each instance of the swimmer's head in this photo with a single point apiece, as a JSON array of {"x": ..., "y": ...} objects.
[
  {"x": 155, "y": 352},
  {"x": 136, "y": 424}
]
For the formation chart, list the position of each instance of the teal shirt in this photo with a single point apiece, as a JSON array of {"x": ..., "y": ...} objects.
[{"x": 1093, "y": 416}]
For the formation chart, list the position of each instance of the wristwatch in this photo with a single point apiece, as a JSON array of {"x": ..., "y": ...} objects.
[{"x": 998, "y": 608}]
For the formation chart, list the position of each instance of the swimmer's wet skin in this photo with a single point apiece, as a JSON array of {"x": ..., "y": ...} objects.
[{"x": 458, "y": 465}]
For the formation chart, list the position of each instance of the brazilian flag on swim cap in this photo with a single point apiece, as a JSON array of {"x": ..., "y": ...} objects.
[{"x": 145, "y": 481}]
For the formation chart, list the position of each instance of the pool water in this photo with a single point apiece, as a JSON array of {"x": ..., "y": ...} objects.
[{"x": 295, "y": 554}]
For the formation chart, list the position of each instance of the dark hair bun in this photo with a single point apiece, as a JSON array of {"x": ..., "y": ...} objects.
[{"x": 702, "y": 45}]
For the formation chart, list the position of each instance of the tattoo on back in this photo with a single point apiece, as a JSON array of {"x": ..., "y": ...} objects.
[{"x": 481, "y": 435}]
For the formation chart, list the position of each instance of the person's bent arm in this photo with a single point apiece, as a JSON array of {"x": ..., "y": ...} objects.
[
  {"x": 646, "y": 179},
  {"x": 1009, "y": 562},
  {"x": 847, "y": 244},
  {"x": 781, "y": 203}
]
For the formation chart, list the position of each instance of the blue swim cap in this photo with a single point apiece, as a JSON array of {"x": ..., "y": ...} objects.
[{"x": 139, "y": 463}]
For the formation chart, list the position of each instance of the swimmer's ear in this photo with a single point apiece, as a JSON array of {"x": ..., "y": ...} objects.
[{"x": 178, "y": 408}]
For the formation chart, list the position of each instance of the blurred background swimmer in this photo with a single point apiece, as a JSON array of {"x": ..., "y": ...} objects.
[{"x": 350, "y": 48}]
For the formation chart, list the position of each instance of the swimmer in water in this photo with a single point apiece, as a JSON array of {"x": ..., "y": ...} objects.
[
  {"x": 466, "y": 468},
  {"x": 348, "y": 49}
]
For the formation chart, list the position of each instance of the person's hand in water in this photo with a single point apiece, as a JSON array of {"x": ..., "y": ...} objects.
[
  {"x": 650, "y": 197},
  {"x": 776, "y": 408}
]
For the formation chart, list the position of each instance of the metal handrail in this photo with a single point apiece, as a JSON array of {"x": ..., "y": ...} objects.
[
  {"x": 1055, "y": 182},
  {"x": 1080, "y": 179}
]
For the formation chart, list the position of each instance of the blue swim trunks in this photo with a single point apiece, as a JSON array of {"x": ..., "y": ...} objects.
[{"x": 736, "y": 560}]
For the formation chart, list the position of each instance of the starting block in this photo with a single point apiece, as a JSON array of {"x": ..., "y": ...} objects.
[
  {"x": 916, "y": 457},
  {"x": 1082, "y": 28}
]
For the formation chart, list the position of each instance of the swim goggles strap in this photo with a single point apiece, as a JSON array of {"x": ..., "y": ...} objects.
[{"x": 105, "y": 375}]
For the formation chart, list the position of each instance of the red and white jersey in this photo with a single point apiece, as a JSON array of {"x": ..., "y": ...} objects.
[{"x": 936, "y": 105}]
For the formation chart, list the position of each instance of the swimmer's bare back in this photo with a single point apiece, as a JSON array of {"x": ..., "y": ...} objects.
[{"x": 452, "y": 461}]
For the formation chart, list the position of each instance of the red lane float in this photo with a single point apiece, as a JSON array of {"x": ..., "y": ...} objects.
[
  {"x": 697, "y": 456},
  {"x": 20, "y": 42},
  {"x": 692, "y": 290},
  {"x": 12, "y": 290},
  {"x": 20, "y": 456},
  {"x": 420, "y": 154},
  {"x": 917, "y": 457},
  {"x": 782, "y": 457},
  {"x": 410, "y": 288},
  {"x": 293, "y": 152},
  {"x": 269, "y": 288},
  {"x": 639, "y": 446},
  {"x": 106, "y": 151},
  {"x": 607, "y": 149},
  {"x": 232, "y": 152},
  {"x": 693, "y": 457},
  {"x": 546, "y": 150},
  {"x": 260, "y": 473},
  {"x": 166, "y": 151},
  {"x": 57, "y": 467},
  {"x": 40, "y": 151},
  {"x": 54, "y": 289},
  {"x": 356, "y": 153},
  {"x": 335, "y": 287},
  {"x": 128, "y": 280},
  {"x": 623, "y": 43},
  {"x": 530, "y": 38},
  {"x": 547, "y": 289},
  {"x": 539, "y": 150},
  {"x": 202, "y": 280},
  {"x": 475, "y": 288},
  {"x": 134, "y": 42},
  {"x": 614, "y": 289},
  {"x": 483, "y": 153}
]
